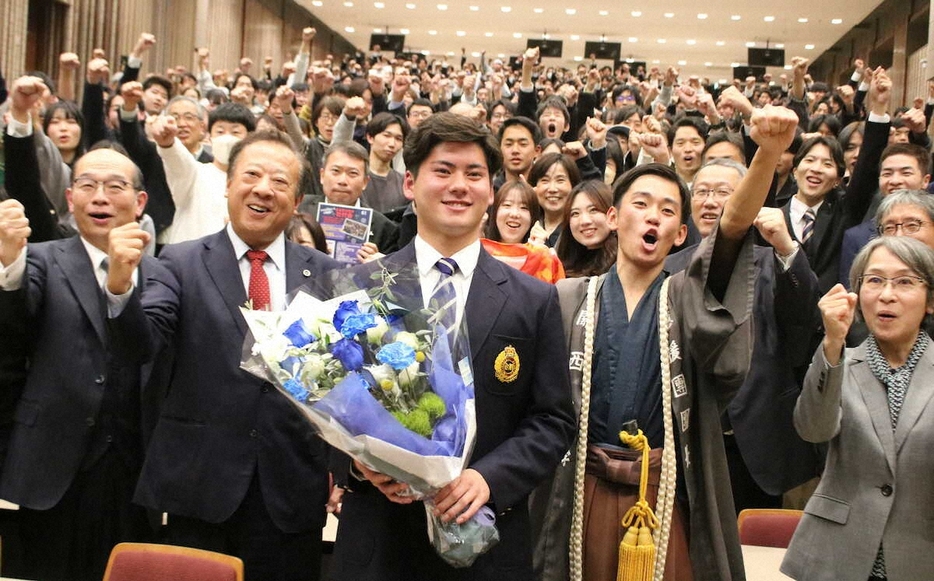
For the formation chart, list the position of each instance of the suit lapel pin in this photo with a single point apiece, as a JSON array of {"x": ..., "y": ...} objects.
[
  {"x": 306, "y": 273},
  {"x": 506, "y": 365}
]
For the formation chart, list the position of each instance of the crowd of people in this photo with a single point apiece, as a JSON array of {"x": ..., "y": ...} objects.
[{"x": 739, "y": 276}]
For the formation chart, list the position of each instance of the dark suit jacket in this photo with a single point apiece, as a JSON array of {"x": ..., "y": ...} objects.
[
  {"x": 523, "y": 429},
  {"x": 853, "y": 241},
  {"x": 837, "y": 213},
  {"x": 219, "y": 425},
  {"x": 23, "y": 183},
  {"x": 70, "y": 366},
  {"x": 786, "y": 320}
]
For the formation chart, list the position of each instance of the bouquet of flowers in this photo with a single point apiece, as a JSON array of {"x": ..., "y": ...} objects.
[{"x": 381, "y": 380}]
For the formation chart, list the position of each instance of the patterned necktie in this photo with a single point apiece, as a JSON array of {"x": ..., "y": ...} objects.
[
  {"x": 105, "y": 267},
  {"x": 444, "y": 297},
  {"x": 259, "y": 283},
  {"x": 808, "y": 229}
]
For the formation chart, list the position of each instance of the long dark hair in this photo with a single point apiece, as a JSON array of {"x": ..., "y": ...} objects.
[{"x": 578, "y": 260}]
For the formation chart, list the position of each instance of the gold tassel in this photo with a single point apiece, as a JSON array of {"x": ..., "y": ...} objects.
[{"x": 637, "y": 549}]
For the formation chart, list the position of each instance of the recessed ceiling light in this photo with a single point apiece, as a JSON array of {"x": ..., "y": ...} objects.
[
  {"x": 432, "y": 32},
  {"x": 636, "y": 13},
  {"x": 538, "y": 10},
  {"x": 450, "y": 53},
  {"x": 721, "y": 43},
  {"x": 702, "y": 16},
  {"x": 349, "y": 29},
  {"x": 708, "y": 64},
  {"x": 377, "y": 30},
  {"x": 788, "y": 67},
  {"x": 461, "y": 33},
  {"x": 837, "y": 21},
  {"x": 769, "y": 18},
  {"x": 682, "y": 63},
  {"x": 809, "y": 47},
  {"x": 570, "y": 11},
  {"x": 691, "y": 41},
  {"x": 575, "y": 37},
  {"x": 662, "y": 41},
  {"x": 488, "y": 34},
  {"x": 442, "y": 6},
  {"x": 578, "y": 58},
  {"x": 750, "y": 44},
  {"x": 317, "y": 3},
  {"x": 410, "y": 6},
  {"x": 633, "y": 39},
  {"x": 734, "y": 65},
  {"x": 426, "y": 52},
  {"x": 735, "y": 17},
  {"x": 506, "y": 8},
  {"x": 604, "y": 13},
  {"x": 474, "y": 8},
  {"x": 780, "y": 45},
  {"x": 475, "y": 54},
  {"x": 501, "y": 55},
  {"x": 403, "y": 31},
  {"x": 378, "y": 5},
  {"x": 669, "y": 15},
  {"x": 655, "y": 62},
  {"x": 517, "y": 35},
  {"x": 348, "y": 4},
  {"x": 803, "y": 20}
]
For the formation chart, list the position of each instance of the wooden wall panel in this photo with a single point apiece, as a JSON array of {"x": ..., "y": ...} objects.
[
  {"x": 263, "y": 30},
  {"x": 225, "y": 34}
]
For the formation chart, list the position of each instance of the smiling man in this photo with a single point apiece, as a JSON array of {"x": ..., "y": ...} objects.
[
  {"x": 231, "y": 460},
  {"x": 524, "y": 421},
  {"x": 76, "y": 448}
]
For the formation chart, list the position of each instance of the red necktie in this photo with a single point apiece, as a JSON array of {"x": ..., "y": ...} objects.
[{"x": 259, "y": 283}]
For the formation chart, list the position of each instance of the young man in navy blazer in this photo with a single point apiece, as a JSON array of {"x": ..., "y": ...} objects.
[{"x": 525, "y": 421}]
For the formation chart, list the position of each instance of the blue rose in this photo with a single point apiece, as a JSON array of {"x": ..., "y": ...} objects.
[
  {"x": 397, "y": 355},
  {"x": 295, "y": 389},
  {"x": 298, "y": 334},
  {"x": 349, "y": 353},
  {"x": 355, "y": 324},
  {"x": 343, "y": 311}
]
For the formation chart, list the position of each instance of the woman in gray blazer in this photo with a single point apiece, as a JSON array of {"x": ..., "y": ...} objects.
[{"x": 872, "y": 516}]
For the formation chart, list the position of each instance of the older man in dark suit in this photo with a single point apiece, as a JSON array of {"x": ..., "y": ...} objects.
[
  {"x": 235, "y": 466},
  {"x": 524, "y": 421},
  {"x": 75, "y": 449}
]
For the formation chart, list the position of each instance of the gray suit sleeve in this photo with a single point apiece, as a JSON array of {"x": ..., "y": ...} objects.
[{"x": 819, "y": 408}]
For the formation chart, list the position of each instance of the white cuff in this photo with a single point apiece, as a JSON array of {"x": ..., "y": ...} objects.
[
  {"x": 18, "y": 129},
  {"x": 116, "y": 303},
  {"x": 11, "y": 277},
  {"x": 873, "y": 118},
  {"x": 133, "y": 62}
]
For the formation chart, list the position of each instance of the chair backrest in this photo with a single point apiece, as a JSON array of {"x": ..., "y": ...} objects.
[
  {"x": 150, "y": 562},
  {"x": 768, "y": 527}
]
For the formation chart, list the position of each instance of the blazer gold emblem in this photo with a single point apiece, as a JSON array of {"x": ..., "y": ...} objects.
[{"x": 506, "y": 365}]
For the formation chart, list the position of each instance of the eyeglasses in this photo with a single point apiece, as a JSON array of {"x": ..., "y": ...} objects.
[
  {"x": 186, "y": 117},
  {"x": 327, "y": 118},
  {"x": 112, "y": 187},
  {"x": 420, "y": 114},
  {"x": 908, "y": 227},
  {"x": 901, "y": 284},
  {"x": 720, "y": 193}
]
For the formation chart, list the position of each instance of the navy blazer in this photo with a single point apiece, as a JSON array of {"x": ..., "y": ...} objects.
[
  {"x": 63, "y": 310},
  {"x": 524, "y": 427},
  {"x": 220, "y": 425}
]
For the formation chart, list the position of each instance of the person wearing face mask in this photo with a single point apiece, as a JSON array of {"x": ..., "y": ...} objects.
[{"x": 198, "y": 188}]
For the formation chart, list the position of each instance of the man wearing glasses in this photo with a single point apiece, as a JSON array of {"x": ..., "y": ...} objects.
[
  {"x": 904, "y": 166},
  {"x": 75, "y": 447}
]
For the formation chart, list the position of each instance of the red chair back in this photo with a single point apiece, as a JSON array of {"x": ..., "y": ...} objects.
[
  {"x": 150, "y": 562},
  {"x": 768, "y": 527}
]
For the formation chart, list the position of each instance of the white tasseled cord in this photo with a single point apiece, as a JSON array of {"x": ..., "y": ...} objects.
[
  {"x": 669, "y": 470},
  {"x": 577, "y": 518}
]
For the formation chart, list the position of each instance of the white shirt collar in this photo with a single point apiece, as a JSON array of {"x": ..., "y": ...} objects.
[
  {"x": 96, "y": 254},
  {"x": 798, "y": 208},
  {"x": 466, "y": 258},
  {"x": 276, "y": 250}
]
